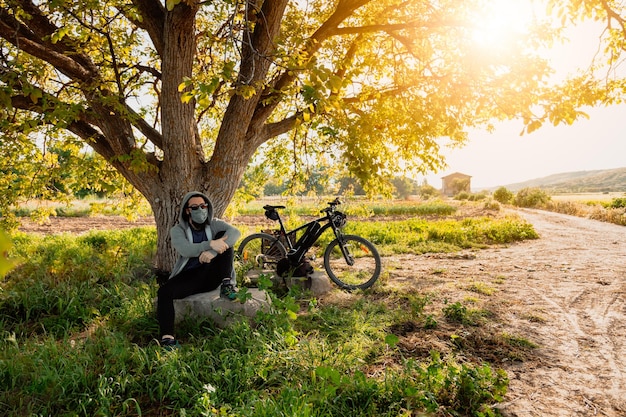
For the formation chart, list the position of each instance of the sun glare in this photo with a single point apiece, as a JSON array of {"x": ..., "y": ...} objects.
[{"x": 501, "y": 20}]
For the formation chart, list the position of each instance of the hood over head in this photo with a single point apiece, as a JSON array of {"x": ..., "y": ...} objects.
[{"x": 182, "y": 216}]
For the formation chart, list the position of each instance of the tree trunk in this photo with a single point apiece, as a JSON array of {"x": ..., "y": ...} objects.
[
  {"x": 165, "y": 216},
  {"x": 182, "y": 167}
]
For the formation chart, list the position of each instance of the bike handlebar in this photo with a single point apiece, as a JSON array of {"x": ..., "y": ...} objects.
[{"x": 331, "y": 205}]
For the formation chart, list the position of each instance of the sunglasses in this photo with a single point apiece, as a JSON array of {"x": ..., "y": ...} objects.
[{"x": 197, "y": 206}]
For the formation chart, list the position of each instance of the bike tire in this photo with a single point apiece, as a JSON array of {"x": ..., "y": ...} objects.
[
  {"x": 367, "y": 263},
  {"x": 260, "y": 252}
]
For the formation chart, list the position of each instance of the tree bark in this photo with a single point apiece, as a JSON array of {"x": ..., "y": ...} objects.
[{"x": 182, "y": 167}]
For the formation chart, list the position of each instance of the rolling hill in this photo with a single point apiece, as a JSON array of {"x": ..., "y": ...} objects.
[{"x": 609, "y": 180}]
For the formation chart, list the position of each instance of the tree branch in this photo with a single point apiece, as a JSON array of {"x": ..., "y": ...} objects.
[
  {"x": 271, "y": 130},
  {"x": 144, "y": 127},
  {"x": 344, "y": 9},
  {"x": 153, "y": 21},
  {"x": 34, "y": 37},
  {"x": 81, "y": 128}
]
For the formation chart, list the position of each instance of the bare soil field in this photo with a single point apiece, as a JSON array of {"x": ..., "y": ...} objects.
[{"x": 565, "y": 293}]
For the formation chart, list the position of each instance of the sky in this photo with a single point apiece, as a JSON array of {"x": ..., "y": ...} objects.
[{"x": 504, "y": 157}]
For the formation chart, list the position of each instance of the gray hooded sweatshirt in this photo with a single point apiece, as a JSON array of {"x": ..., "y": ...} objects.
[{"x": 182, "y": 239}]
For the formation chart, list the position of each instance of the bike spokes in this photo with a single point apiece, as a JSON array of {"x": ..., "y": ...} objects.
[{"x": 352, "y": 264}]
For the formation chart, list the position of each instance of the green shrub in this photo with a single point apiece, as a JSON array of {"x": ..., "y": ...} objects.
[
  {"x": 428, "y": 191},
  {"x": 531, "y": 198},
  {"x": 503, "y": 195},
  {"x": 478, "y": 196},
  {"x": 491, "y": 204},
  {"x": 463, "y": 195},
  {"x": 420, "y": 235},
  {"x": 431, "y": 208},
  {"x": 619, "y": 202}
]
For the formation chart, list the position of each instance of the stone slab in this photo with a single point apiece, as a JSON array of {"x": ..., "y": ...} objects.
[
  {"x": 318, "y": 284},
  {"x": 222, "y": 311}
]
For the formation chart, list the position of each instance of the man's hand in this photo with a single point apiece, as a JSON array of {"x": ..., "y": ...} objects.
[
  {"x": 220, "y": 245},
  {"x": 206, "y": 257}
]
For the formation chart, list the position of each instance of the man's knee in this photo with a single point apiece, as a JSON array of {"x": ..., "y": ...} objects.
[{"x": 164, "y": 292}]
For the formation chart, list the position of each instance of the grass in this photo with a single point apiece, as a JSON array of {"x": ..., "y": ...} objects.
[
  {"x": 602, "y": 207},
  {"x": 77, "y": 327},
  {"x": 481, "y": 288},
  {"x": 416, "y": 235}
]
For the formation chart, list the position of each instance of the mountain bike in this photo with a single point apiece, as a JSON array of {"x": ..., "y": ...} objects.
[{"x": 351, "y": 261}]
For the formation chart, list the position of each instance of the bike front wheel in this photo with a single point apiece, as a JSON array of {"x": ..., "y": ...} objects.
[
  {"x": 352, "y": 262},
  {"x": 259, "y": 253}
]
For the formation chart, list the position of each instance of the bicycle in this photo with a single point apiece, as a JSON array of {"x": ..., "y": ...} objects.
[{"x": 352, "y": 262}]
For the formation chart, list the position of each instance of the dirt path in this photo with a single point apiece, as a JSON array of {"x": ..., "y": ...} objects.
[
  {"x": 566, "y": 292},
  {"x": 576, "y": 276}
]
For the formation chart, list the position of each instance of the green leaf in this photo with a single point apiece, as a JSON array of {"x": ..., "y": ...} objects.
[{"x": 392, "y": 340}]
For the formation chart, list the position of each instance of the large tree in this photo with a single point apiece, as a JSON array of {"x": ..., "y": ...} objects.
[
  {"x": 603, "y": 82},
  {"x": 180, "y": 95}
]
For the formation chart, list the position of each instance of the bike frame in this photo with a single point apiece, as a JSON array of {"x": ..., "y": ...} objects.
[{"x": 328, "y": 224}]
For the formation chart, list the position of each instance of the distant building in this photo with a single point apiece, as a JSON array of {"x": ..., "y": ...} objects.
[{"x": 455, "y": 183}]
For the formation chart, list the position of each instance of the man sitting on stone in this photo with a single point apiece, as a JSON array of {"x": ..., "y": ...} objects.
[{"x": 205, "y": 248}]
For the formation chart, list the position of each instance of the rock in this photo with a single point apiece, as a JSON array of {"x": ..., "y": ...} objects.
[
  {"x": 222, "y": 311},
  {"x": 317, "y": 282},
  {"x": 320, "y": 283}
]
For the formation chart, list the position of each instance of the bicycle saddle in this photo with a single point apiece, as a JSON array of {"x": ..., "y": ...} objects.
[{"x": 269, "y": 207}]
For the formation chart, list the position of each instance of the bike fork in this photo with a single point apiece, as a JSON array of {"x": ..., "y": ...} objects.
[{"x": 345, "y": 251}]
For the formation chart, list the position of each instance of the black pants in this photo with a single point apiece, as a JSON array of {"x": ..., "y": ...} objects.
[{"x": 203, "y": 278}]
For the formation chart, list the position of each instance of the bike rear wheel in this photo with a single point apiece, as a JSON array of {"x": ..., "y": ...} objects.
[
  {"x": 362, "y": 268},
  {"x": 259, "y": 253}
]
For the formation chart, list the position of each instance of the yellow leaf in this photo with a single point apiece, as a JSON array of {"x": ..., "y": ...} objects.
[
  {"x": 170, "y": 4},
  {"x": 186, "y": 97},
  {"x": 186, "y": 82},
  {"x": 6, "y": 263},
  {"x": 35, "y": 96},
  {"x": 246, "y": 91},
  {"x": 204, "y": 101}
]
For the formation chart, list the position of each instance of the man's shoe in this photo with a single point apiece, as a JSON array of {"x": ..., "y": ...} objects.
[
  {"x": 169, "y": 344},
  {"x": 227, "y": 290}
]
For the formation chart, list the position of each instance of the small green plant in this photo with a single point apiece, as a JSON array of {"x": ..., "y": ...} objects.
[
  {"x": 500, "y": 279},
  {"x": 517, "y": 341},
  {"x": 531, "y": 198},
  {"x": 458, "y": 313},
  {"x": 491, "y": 204},
  {"x": 535, "y": 318},
  {"x": 618, "y": 202},
  {"x": 417, "y": 303},
  {"x": 480, "y": 288},
  {"x": 430, "y": 322},
  {"x": 243, "y": 295},
  {"x": 463, "y": 195},
  {"x": 455, "y": 312},
  {"x": 503, "y": 195}
]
